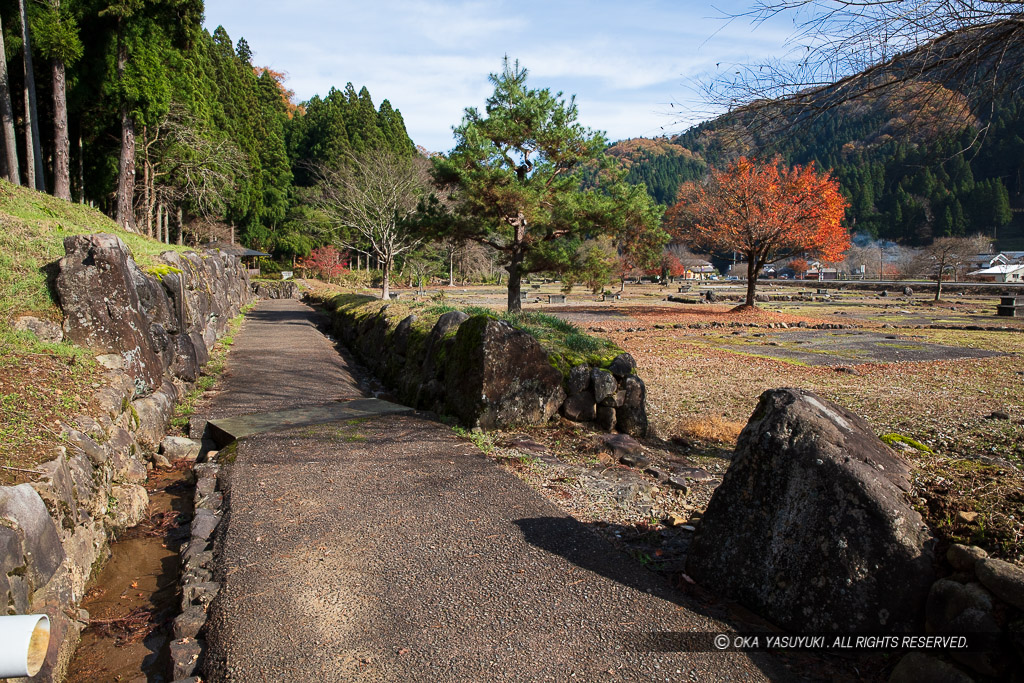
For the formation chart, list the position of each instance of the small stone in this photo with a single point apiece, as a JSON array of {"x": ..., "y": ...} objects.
[
  {"x": 606, "y": 417},
  {"x": 206, "y": 469},
  {"x": 692, "y": 473},
  {"x": 1005, "y": 580},
  {"x": 161, "y": 461},
  {"x": 964, "y": 557},
  {"x": 203, "y": 525},
  {"x": 184, "y": 656},
  {"x": 678, "y": 484},
  {"x": 202, "y": 592},
  {"x": 999, "y": 415},
  {"x": 634, "y": 460},
  {"x": 621, "y": 444},
  {"x": 180, "y": 448},
  {"x": 623, "y": 365},
  {"x": 580, "y": 407},
  {"x": 659, "y": 474},
  {"x": 212, "y": 501},
  {"x": 206, "y": 485},
  {"x": 199, "y": 560},
  {"x": 188, "y": 623},
  {"x": 603, "y": 384},
  {"x": 847, "y": 370},
  {"x": 579, "y": 379},
  {"x": 675, "y": 520},
  {"x": 83, "y": 615},
  {"x": 966, "y": 517}
]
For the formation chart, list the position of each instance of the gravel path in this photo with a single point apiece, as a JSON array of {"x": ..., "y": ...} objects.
[{"x": 390, "y": 549}]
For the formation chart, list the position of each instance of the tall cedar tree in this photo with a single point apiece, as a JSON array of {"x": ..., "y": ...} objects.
[
  {"x": 516, "y": 176},
  {"x": 7, "y": 115},
  {"x": 33, "y": 147},
  {"x": 58, "y": 41},
  {"x": 764, "y": 211}
]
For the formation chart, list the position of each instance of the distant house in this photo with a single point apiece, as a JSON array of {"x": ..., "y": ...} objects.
[
  {"x": 1003, "y": 258},
  {"x": 247, "y": 256},
  {"x": 1006, "y": 272},
  {"x": 1013, "y": 256},
  {"x": 822, "y": 274},
  {"x": 699, "y": 270}
]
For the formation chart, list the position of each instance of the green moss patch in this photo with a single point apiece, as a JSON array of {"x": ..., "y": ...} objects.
[{"x": 894, "y": 439}]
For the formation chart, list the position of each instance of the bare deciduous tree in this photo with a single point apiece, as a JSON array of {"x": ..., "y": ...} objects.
[
  {"x": 182, "y": 163},
  {"x": 950, "y": 255},
  {"x": 374, "y": 194},
  {"x": 846, "y": 50}
]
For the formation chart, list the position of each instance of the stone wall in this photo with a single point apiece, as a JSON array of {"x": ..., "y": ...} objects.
[
  {"x": 487, "y": 373},
  {"x": 152, "y": 331}
]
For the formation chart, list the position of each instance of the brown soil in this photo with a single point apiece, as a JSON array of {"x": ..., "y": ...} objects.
[{"x": 37, "y": 392}]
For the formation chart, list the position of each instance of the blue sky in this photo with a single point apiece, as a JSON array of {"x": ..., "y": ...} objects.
[{"x": 632, "y": 65}]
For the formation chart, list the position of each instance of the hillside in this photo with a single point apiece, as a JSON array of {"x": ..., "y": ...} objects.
[
  {"x": 897, "y": 161},
  {"x": 41, "y": 382}
]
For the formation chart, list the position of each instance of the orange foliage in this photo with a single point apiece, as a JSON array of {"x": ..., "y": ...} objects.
[
  {"x": 764, "y": 211},
  {"x": 799, "y": 265}
]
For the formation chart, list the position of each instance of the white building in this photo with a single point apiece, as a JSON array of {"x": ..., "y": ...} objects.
[{"x": 1007, "y": 272}]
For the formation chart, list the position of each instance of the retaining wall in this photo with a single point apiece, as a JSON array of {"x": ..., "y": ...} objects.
[{"x": 152, "y": 331}]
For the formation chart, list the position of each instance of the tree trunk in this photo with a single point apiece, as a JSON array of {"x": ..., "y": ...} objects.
[
  {"x": 126, "y": 164},
  {"x": 148, "y": 198},
  {"x": 385, "y": 287},
  {"x": 752, "y": 270},
  {"x": 160, "y": 222},
  {"x": 33, "y": 150},
  {"x": 61, "y": 143},
  {"x": 451, "y": 269},
  {"x": 515, "y": 283},
  {"x": 181, "y": 228},
  {"x": 7, "y": 115},
  {"x": 81, "y": 167}
]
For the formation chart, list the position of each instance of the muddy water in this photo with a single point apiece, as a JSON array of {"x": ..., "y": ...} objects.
[{"x": 135, "y": 596}]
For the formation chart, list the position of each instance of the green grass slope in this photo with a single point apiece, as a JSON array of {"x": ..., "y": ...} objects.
[{"x": 42, "y": 383}]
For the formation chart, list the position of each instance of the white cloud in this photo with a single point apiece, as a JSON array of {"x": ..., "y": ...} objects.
[{"x": 624, "y": 61}]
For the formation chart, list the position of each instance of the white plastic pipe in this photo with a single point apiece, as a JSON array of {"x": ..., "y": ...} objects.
[{"x": 23, "y": 642}]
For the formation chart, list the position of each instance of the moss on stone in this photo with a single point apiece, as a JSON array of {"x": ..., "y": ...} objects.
[
  {"x": 893, "y": 439},
  {"x": 161, "y": 269}
]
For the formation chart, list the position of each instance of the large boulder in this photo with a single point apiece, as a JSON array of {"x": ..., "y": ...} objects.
[
  {"x": 497, "y": 376},
  {"x": 102, "y": 309},
  {"x": 811, "y": 526},
  {"x": 30, "y": 548}
]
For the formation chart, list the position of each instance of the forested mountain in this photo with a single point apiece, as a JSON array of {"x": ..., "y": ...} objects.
[
  {"x": 195, "y": 140},
  {"x": 903, "y": 166}
]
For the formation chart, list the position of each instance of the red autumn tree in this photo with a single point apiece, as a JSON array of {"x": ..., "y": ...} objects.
[
  {"x": 326, "y": 261},
  {"x": 671, "y": 266},
  {"x": 764, "y": 211},
  {"x": 799, "y": 266}
]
